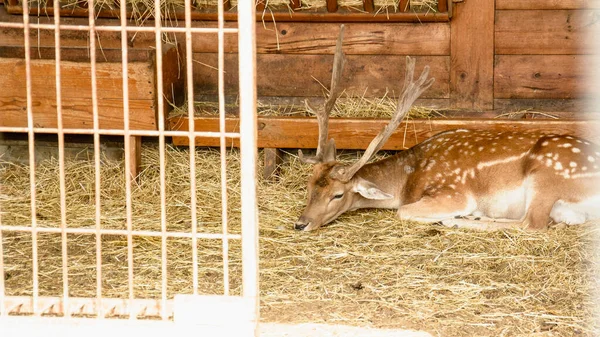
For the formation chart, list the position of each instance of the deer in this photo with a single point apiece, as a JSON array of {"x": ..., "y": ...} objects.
[{"x": 463, "y": 178}]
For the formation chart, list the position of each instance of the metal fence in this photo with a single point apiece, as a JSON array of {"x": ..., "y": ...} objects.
[{"x": 23, "y": 313}]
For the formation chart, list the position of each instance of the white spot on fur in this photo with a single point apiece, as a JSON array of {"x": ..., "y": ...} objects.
[
  {"x": 409, "y": 169},
  {"x": 549, "y": 154},
  {"x": 500, "y": 161},
  {"x": 575, "y": 150},
  {"x": 558, "y": 166},
  {"x": 573, "y": 164},
  {"x": 591, "y": 159},
  {"x": 545, "y": 143}
]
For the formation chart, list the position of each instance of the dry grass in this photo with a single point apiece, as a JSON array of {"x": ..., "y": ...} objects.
[
  {"x": 346, "y": 106},
  {"x": 367, "y": 268}
]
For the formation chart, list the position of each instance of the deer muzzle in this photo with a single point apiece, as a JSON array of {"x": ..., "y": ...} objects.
[{"x": 304, "y": 223}]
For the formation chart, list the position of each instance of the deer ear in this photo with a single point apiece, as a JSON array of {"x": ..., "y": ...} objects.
[
  {"x": 370, "y": 191},
  {"x": 329, "y": 152}
]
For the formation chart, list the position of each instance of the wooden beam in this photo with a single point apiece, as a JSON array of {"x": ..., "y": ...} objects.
[
  {"x": 342, "y": 15},
  {"x": 368, "y": 75},
  {"x": 543, "y": 32},
  {"x": 472, "y": 50},
  {"x": 76, "y": 94},
  {"x": 542, "y": 76},
  {"x": 547, "y": 4},
  {"x": 319, "y": 38},
  {"x": 278, "y": 132},
  {"x": 295, "y": 4}
]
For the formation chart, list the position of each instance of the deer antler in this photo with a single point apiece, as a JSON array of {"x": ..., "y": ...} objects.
[
  {"x": 323, "y": 114},
  {"x": 411, "y": 91}
]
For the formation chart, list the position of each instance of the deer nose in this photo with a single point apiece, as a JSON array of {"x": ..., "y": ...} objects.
[{"x": 301, "y": 223}]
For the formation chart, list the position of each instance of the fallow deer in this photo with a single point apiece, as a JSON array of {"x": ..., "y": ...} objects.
[{"x": 466, "y": 178}]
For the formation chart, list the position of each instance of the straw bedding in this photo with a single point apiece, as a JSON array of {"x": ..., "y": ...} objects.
[{"x": 367, "y": 268}]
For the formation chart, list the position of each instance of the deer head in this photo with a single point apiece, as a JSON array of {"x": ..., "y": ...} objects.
[{"x": 334, "y": 188}]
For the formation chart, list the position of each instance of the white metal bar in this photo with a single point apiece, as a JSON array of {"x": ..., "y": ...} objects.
[
  {"x": 127, "y": 140},
  {"x": 31, "y": 140},
  {"x": 121, "y": 232},
  {"x": 161, "y": 147},
  {"x": 114, "y": 132},
  {"x": 248, "y": 150},
  {"x": 97, "y": 178},
  {"x": 222, "y": 144},
  {"x": 49, "y": 26},
  {"x": 61, "y": 160},
  {"x": 192, "y": 141}
]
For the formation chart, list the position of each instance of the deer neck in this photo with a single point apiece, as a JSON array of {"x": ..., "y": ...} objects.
[{"x": 390, "y": 175}]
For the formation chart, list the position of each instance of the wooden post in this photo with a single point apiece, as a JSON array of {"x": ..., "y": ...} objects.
[
  {"x": 332, "y": 6},
  {"x": 472, "y": 55},
  {"x": 443, "y": 6},
  {"x": 295, "y": 4},
  {"x": 135, "y": 150},
  {"x": 404, "y": 6},
  {"x": 272, "y": 162},
  {"x": 369, "y": 6},
  {"x": 260, "y": 5}
]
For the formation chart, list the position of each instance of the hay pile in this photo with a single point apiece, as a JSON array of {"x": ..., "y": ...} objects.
[
  {"x": 348, "y": 107},
  {"x": 367, "y": 268}
]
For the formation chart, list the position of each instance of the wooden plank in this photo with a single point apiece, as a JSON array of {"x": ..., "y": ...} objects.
[
  {"x": 543, "y": 76},
  {"x": 77, "y": 54},
  {"x": 320, "y": 38},
  {"x": 295, "y": 4},
  {"x": 545, "y": 31},
  {"x": 472, "y": 50},
  {"x": 369, "y": 6},
  {"x": 76, "y": 79},
  {"x": 357, "y": 133},
  {"x": 70, "y": 38},
  {"x": 367, "y": 75},
  {"x": 547, "y": 4},
  {"x": 73, "y": 38},
  {"x": 342, "y": 15},
  {"x": 76, "y": 94},
  {"x": 77, "y": 113}
]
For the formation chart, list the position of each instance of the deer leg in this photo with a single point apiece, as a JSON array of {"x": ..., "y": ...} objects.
[
  {"x": 436, "y": 209},
  {"x": 537, "y": 217},
  {"x": 482, "y": 224}
]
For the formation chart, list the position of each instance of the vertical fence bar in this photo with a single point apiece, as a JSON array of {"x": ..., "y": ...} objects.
[
  {"x": 403, "y": 5},
  {"x": 247, "y": 73},
  {"x": 332, "y": 6},
  {"x": 223, "y": 149},
  {"x": 31, "y": 145},
  {"x": 161, "y": 150},
  {"x": 295, "y": 4},
  {"x": 442, "y": 6},
  {"x": 61, "y": 161},
  {"x": 2, "y": 272},
  {"x": 127, "y": 139},
  {"x": 97, "y": 182},
  {"x": 369, "y": 6},
  {"x": 191, "y": 128}
]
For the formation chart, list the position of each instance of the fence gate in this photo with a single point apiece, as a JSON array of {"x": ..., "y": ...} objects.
[{"x": 35, "y": 313}]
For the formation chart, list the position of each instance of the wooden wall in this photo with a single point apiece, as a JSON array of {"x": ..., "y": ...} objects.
[{"x": 493, "y": 54}]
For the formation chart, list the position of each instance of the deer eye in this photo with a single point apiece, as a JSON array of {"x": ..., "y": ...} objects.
[{"x": 338, "y": 196}]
